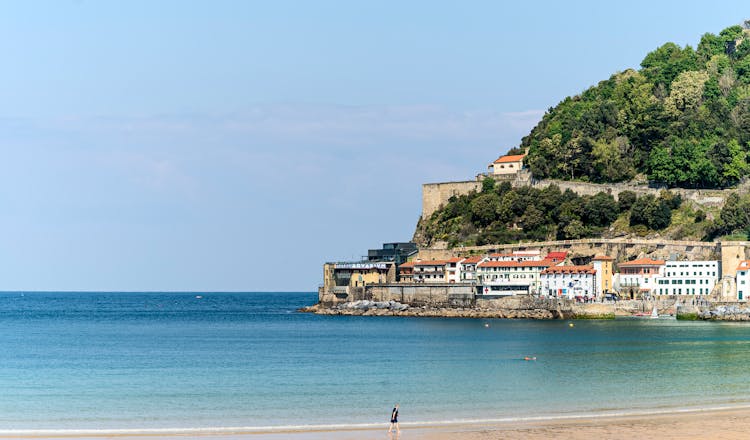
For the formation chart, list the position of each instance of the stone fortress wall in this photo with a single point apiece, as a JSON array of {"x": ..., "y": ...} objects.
[{"x": 434, "y": 195}]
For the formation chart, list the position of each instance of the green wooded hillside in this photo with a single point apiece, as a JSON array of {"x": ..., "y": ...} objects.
[
  {"x": 500, "y": 213},
  {"x": 683, "y": 120}
]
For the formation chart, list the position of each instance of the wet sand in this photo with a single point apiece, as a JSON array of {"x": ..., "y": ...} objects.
[{"x": 700, "y": 424}]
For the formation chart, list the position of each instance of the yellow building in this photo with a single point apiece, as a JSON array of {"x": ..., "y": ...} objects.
[
  {"x": 357, "y": 274},
  {"x": 603, "y": 266}
]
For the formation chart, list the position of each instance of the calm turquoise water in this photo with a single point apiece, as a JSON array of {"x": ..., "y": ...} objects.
[{"x": 127, "y": 360}]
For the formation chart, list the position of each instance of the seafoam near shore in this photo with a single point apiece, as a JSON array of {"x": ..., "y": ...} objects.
[{"x": 713, "y": 423}]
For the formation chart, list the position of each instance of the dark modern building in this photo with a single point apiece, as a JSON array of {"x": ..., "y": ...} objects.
[{"x": 396, "y": 252}]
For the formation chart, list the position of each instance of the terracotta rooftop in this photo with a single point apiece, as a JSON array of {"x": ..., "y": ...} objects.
[
  {"x": 643, "y": 262},
  {"x": 744, "y": 265},
  {"x": 407, "y": 264},
  {"x": 543, "y": 263},
  {"x": 430, "y": 263},
  {"x": 473, "y": 260},
  {"x": 513, "y": 158},
  {"x": 602, "y": 258},
  {"x": 454, "y": 260},
  {"x": 557, "y": 255},
  {"x": 570, "y": 269}
]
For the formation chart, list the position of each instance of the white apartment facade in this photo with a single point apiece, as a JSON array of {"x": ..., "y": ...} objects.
[
  {"x": 742, "y": 279},
  {"x": 432, "y": 271},
  {"x": 503, "y": 278},
  {"x": 516, "y": 256},
  {"x": 692, "y": 278},
  {"x": 569, "y": 282},
  {"x": 638, "y": 277},
  {"x": 468, "y": 269},
  {"x": 453, "y": 270}
]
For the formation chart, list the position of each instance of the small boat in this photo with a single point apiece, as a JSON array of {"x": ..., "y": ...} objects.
[
  {"x": 198, "y": 297},
  {"x": 654, "y": 313}
]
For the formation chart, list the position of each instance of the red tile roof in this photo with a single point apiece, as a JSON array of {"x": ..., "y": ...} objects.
[
  {"x": 430, "y": 263},
  {"x": 513, "y": 158},
  {"x": 643, "y": 262},
  {"x": 744, "y": 265},
  {"x": 557, "y": 255},
  {"x": 454, "y": 260},
  {"x": 569, "y": 269},
  {"x": 602, "y": 258},
  {"x": 543, "y": 263},
  {"x": 407, "y": 264},
  {"x": 503, "y": 255},
  {"x": 472, "y": 260}
]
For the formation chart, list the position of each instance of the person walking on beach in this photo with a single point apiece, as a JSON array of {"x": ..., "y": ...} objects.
[{"x": 394, "y": 420}]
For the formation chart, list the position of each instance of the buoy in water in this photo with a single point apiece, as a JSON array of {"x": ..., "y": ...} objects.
[
  {"x": 571, "y": 324},
  {"x": 486, "y": 325},
  {"x": 529, "y": 358}
]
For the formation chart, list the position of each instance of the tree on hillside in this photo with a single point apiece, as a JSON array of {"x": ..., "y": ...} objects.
[
  {"x": 734, "y": 216},
  {"x": 651, "y": 212},
  {"x": 488, "y": 184},
  {"x": 600, "y": 210},
  {"x": 686, "y": 93},
  {"x": 484, "y": 208},
  {"x": 625, "y": 200}
]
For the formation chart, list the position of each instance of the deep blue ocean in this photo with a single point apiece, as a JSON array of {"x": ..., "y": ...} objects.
[{"x": 172, "y": 360}]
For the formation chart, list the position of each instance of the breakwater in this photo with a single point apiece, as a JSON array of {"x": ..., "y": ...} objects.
[
  {"x": 511, "y": 307},
  {"x": 715, "y": 311}
]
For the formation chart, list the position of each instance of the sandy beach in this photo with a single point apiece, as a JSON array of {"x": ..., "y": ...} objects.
[{"x": 699, "y": 424}]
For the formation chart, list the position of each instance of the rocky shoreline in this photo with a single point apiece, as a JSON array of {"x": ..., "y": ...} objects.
[
  {"x": 394, "y": 308},
  {"x": 725, "y": 313}
]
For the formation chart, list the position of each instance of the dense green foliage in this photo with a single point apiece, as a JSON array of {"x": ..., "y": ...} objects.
[
  {"x": 683, "y": 120},
  {"x": 734, "y": 218},
  {"x": 503, "y": 214}
]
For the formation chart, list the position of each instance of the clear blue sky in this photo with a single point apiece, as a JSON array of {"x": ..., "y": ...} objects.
[{"x": 155, "y": 145}]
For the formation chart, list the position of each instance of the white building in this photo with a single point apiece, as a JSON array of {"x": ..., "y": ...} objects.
[
  {"x": 688, "y": 278},
  {"x": 638, "y": 277},
  {"x": 453, "y": 270},
  {"x": 742, "y": 279},
  {"x": 516, "y": 256},
  {"x": 508, "y": 164},
  {"x": 569, "y": 281},
  {"x": 432, "y": 271},
  {"x": 468, "y": 269},
  {"x": 510, "y": 277}
]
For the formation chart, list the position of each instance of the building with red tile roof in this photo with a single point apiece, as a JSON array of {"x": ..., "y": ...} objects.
[
  {"x": 569, "y": 282},
  {"x": 604, "y": 274},
  {"x": 552, "y": 270},
  {"x": 602, "y": 258},
  {"x": 557, "y": 257},
  {"x": 742, "y": 280},
  {"x": 512, "y": 158},
  {"x": 642, "y": 262},
  {"x": 638, "y": 277},
  {"x": 429, "y": 271},
  {"x": 468, "y": 268},
  {"x": 502, "y": 278},
  {"x": 508, "y": 164},
  {"x": 406, "y": 272}
]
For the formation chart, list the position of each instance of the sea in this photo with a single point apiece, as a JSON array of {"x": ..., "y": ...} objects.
[{"x": 204, "y": 361}]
